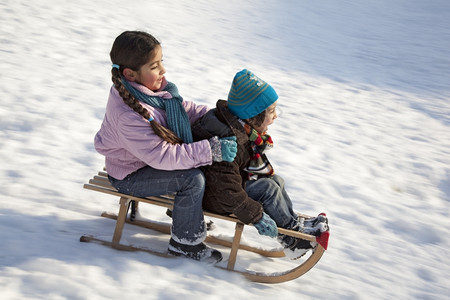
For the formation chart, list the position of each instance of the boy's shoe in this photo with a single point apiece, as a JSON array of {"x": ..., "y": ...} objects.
[
  {"x": 317, "y": 230},
  {"x": 318, "y": 227},
  {"x": 312, "y": 222},
  {"x": 299, "y": 248},
  {"x": 199, "y": 252},
  {"x": 314, "y": 226}
]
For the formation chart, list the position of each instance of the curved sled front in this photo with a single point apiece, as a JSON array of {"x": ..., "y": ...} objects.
[{"x": 294, "y": 273}]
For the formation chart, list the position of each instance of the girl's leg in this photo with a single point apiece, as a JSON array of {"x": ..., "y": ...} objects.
[{"x": 188, "y": 225}]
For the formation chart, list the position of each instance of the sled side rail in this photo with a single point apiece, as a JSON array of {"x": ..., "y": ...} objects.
[
  {"x": 163, "y": 200},
  {"x": 100, "y": 183}
]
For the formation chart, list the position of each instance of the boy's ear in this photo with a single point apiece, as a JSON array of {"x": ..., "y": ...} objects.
[{"x": 129, "y": 74}]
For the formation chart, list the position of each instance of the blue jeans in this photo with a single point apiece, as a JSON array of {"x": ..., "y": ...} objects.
[
  {"x": 270, "y": 192},
  {"x": 188, "y": 224}
]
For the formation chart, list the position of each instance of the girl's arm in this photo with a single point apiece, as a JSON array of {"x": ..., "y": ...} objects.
[
  {"x": 139, "y": 139},
  {"x": 195, "y": 111}
]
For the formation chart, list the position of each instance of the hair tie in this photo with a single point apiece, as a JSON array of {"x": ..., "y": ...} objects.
[
  {"x": 150, "y": 119},
  {"x": 115, "y": 66}
]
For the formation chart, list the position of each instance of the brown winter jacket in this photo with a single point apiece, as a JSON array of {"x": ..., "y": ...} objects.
[{"x": 225, "y": 181}]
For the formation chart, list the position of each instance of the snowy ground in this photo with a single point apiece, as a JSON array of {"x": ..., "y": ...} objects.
[{"x": 364, "y": 136}]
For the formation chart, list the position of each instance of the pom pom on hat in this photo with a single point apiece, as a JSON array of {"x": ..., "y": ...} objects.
[{"x": 249, "y": 95}]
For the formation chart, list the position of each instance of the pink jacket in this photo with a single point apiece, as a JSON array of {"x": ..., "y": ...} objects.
[{"x": 128, "y": 142}]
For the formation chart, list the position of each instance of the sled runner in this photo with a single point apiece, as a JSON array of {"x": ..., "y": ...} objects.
[{"x": 100, "y": 183}]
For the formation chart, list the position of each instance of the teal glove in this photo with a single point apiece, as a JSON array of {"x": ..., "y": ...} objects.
[
  {"x": 266, "y": 226},
  {"x": 223, "y": 149},
  {"x": 228, "y": 148}
]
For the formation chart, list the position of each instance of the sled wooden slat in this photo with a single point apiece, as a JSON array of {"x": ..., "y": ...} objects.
[{"x": 100, "y": 183}]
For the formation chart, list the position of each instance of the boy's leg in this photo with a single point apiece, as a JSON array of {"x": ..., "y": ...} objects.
[{"x": 271, "y": 194}]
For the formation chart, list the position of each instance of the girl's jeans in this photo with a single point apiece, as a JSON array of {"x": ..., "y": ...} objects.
[
  {"x": 271, "y": 194},
  {"x": 188, "y": 224}
]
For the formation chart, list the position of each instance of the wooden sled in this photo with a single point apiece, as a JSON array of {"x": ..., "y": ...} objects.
[{"x": 100, "y": 183}]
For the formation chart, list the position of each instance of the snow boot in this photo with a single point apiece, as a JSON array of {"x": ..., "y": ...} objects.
[
  {"x": 199, "y": 252},
  {"x": 317, "y": 226},
  {"x": 299, "y": 248},
  {"x": 312, "y": 222}
]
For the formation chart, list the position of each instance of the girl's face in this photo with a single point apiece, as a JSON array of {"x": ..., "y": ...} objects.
[
  {"x": 271, "y": 115},
  {"x": 152, "y": 73}
]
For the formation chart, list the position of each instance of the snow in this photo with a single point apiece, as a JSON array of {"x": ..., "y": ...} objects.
[{"x": 364, "y": 135}]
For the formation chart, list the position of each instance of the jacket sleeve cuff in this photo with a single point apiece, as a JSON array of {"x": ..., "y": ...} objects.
[{"x": 216, "y": 151}]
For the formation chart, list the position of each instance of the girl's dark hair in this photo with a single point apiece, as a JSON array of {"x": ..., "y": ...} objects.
[{"x": 133, "y": 49}]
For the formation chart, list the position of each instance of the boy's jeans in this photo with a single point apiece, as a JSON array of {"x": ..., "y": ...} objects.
[
  {"x": 271, "y": 194},
  {"x": 188, "y": 224}
]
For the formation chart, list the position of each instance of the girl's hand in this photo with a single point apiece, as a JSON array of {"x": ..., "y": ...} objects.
[{"x": 223, "y": 149}]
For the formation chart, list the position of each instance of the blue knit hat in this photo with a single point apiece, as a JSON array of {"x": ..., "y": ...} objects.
[{"x": 249, "y": 95}]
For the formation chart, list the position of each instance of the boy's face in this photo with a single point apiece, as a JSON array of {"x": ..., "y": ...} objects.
[{"x": 271, "y": 115}]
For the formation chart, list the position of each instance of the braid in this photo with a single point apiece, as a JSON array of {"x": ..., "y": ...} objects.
[{"x": 129, "y": 99}]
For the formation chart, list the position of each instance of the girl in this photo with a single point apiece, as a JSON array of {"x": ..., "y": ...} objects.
[
  {"x": 248, "y": 186},
  {"x": 147, "y": 141}
]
